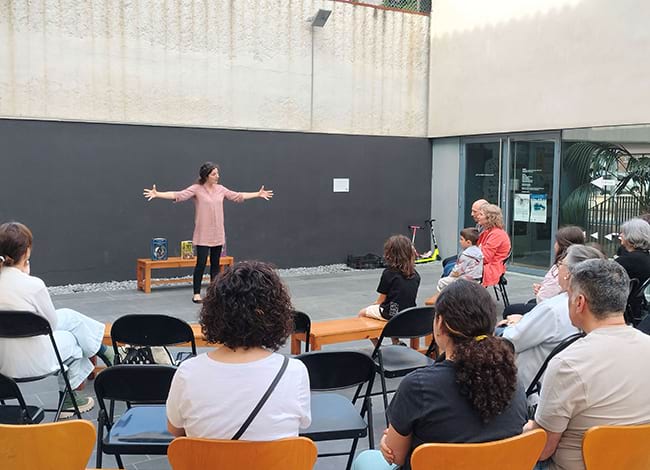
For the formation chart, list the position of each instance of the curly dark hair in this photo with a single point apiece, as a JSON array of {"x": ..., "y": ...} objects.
[
  {"x": 485, "y": 366},
  {"x": 400, "y": 255},
  {"x": 247, "y": 306}
]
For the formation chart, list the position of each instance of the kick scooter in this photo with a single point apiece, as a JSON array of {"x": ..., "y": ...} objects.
[{"x": 429, "y": 256}]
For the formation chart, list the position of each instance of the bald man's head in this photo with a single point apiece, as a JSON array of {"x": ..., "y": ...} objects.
[{"x": 475, "y": 208}]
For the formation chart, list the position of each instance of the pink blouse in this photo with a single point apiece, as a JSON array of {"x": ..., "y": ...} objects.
[{"x": 208, "y": 216}]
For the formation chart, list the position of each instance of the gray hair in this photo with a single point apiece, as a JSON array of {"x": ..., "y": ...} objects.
[
  {"x": 637, "y": 233},
  {"x": 604, "y": 284},
  {"x": 578, "y": 253}
]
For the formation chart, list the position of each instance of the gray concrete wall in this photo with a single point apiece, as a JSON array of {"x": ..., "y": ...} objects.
[
  {"x": 445, "y": 193},
  {"x": 512, "y": 65},
  {"x": 218, "y": 63},
  {"x": 79, "y": 187}
]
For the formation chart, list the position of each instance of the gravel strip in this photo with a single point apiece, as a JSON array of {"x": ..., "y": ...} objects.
[{"x": 132, "y": 285}]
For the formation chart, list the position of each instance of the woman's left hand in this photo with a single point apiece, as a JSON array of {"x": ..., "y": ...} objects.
[{"x": 265, "y": 193}]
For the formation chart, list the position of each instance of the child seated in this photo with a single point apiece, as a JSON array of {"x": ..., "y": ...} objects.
[
  {"x": 469, "y": 264},
  {"x": 398, "y": 286}
]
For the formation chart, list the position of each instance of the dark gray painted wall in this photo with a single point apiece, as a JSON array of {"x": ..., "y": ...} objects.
[{"x": 78, "y": 186}]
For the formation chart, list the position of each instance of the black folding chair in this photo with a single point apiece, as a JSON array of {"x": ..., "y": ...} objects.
[
  {"x": 142, "y": 429},
  {"x": 636, "y": 301},
  {"x": 21, "y": 324},
  {"x": 501, "y": 285},
  {"x": 302, "y": 324},
  {"x": 334, "y": 416},
  {"x": 535, "y": 386},
  {"x": 20, "y": 413},
  {"x": 152, "y": 330},
  {"x": 396, "y": 360}
]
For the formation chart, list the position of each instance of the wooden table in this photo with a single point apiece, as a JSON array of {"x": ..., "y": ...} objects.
[
  {"x": 345, "y": 329},
  {"x": 144, "y": 266}
]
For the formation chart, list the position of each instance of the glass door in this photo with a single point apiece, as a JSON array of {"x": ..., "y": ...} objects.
[
  {"x": 532, "y": 200},
  {"x": 483, "y": 161}
]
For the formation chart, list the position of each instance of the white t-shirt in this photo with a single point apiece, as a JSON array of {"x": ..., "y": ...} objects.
[
  {"x": 25, "y": 357},
  {"x": 537, "y": 333},
  {"x": 601, "y": 379},
  {"x": 211, "y": 399}
]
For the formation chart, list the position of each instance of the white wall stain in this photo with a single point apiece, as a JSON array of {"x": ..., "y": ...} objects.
[{"x": 216, "y": 63}]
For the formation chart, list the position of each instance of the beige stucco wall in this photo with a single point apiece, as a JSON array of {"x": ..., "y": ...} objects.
[
  {"x": 220, "y": 63},
  {"x": 509, "y": 65}
]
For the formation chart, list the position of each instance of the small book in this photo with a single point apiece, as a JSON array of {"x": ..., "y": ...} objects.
[{"x": 187, "y": 249}]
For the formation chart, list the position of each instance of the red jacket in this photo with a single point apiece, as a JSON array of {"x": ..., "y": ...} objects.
[{"x": 495, "y": 246}]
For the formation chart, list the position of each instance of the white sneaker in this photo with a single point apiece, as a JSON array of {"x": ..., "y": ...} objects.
[{"x": 84, "y": 404}]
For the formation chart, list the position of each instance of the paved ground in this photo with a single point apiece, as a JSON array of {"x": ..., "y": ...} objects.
[{"x": 321, "y": 296}]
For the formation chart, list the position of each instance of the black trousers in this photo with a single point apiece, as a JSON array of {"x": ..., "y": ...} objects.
[{"x": 201, "y": 260}]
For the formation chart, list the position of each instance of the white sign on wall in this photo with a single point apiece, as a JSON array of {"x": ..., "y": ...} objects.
[{"x": 341, "y": 185}]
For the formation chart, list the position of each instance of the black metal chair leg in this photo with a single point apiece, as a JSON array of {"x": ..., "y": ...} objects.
[
  {"x": 352, "y": 451},
  {"x": 118, "y": 459},
  {"x": 371, "y": 429}
]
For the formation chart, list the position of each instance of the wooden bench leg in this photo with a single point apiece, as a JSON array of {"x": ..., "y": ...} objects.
[
  {"x": 147, "y": 280},
  {"x": 295, "y": 344},
  {"x": 138, "y": 275}
]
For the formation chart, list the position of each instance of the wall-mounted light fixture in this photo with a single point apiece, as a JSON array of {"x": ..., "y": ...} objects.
[
  {"x": 321, "y": 17},
  {"x": 317, "y": 21}
]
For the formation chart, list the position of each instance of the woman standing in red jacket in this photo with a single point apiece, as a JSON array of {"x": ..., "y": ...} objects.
[{"x": 493, "y": 242}]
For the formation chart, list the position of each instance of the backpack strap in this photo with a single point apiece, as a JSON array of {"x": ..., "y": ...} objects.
[{"x": 263, "y": 400}]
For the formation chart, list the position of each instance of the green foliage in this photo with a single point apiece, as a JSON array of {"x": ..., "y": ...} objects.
[{"x": 586, "y": 161}]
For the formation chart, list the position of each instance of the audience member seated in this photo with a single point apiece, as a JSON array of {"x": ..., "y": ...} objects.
[
  {"x": 76, "y": 335},
  {"x": 469, "y": 264},
  {"x": 472, "y": 396},
  {"x": 399, "y": 282},
  {"x": 448, "y": 263},
  {"x": 550, "y": 286},
  {"x": 536, "y": 334},
  {"x": 493, "y": 242},
  {"x": 601, "y": 379},
  {"x": 635, "y": 257},
  {"x": 248, "y": 312}
]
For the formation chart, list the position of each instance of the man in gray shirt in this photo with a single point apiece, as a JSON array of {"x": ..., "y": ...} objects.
[{"x": 601, "y": 379}]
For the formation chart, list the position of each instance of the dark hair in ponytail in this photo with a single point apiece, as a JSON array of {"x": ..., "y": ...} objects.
[
  {"x": 485, "y": 366},
  {"x": 15, "y": 240},
  {"x": 205, "y": 171}
]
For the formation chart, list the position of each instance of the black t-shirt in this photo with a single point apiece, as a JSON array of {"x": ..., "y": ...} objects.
[
  {"x": 399, "y": 290},
  {"x": 428, "y": 405}
]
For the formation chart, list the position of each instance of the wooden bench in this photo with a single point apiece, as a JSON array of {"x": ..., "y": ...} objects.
[
  {"x": 196, "y": 328},
  {"x": 345, "y": 329},
  {"x": 322, "y": 333},
  {"x": 144, "y": 267}
]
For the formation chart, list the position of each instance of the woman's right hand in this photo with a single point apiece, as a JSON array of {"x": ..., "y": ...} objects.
[
  {"x": 536, "y": 288},
  {"x": 150, "y": 193}
]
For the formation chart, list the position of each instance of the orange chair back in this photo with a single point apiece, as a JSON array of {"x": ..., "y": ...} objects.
[
  {"x": 625, "y": 447},
  {"x": 515, "y": 453},
  {"x": 296, "y": 453},
  {"x": 62, "y": 445}
]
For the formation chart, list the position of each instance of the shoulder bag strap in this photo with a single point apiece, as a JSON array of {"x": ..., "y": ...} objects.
[{"x": 266, "y": 396}]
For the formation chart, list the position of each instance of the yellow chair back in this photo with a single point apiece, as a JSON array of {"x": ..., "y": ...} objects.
[
  {"x": 515, "y": 453},
  {"x": 296, "y": 453},
  {"x": 52, "y": 446},
  {"x": 625, "y": 447}
]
